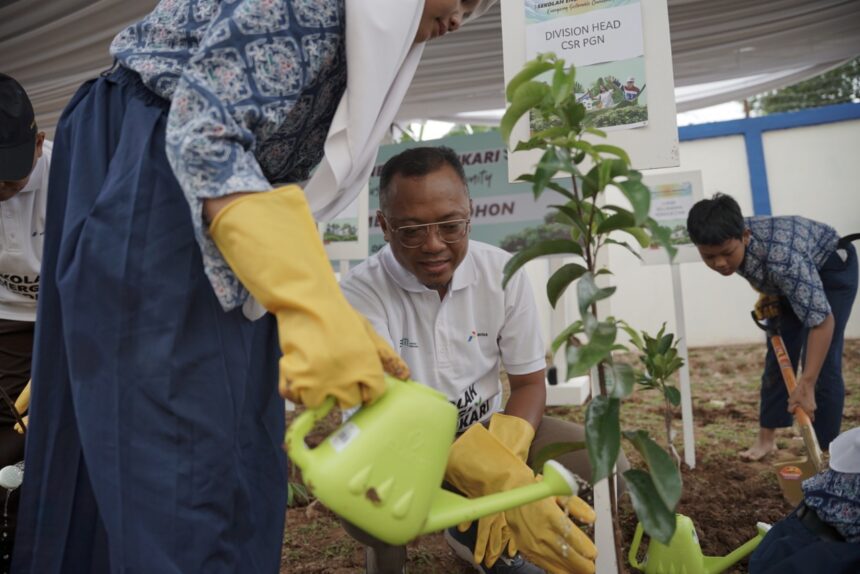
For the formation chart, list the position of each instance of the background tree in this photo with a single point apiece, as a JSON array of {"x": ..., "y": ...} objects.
[{"x": 838, "y": 86}]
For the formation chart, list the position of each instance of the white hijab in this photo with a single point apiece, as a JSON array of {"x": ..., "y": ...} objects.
[{"x": 381, "y": 61}]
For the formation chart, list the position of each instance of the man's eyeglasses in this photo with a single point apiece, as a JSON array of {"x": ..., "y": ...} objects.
[{"x": 414, "y": 236}]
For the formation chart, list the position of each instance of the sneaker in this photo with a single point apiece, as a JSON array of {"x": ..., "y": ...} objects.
[{"x": 463, "y": 544}]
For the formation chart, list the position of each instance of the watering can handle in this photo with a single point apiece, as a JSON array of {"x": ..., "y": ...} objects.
[
  {"x": 634, "y": 548},
  {"x": 299, "y": 429}
]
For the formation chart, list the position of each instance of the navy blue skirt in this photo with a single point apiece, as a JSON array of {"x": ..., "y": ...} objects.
[{"x": 155, "y": 425}]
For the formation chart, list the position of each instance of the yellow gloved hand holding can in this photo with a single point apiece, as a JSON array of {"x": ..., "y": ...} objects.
[
  {"x": 271, "y": 242},
  {"x": 480, "y": 463}
]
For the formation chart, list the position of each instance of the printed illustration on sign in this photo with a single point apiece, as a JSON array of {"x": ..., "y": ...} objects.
[
  {"x": 670, "y": 204},
  {"x": 603, "y": 39}
]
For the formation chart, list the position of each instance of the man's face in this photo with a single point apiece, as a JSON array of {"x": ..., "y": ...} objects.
[
  {"x": 442, "y": 16},
  {"x": 11, "y": 188},
  {"x": 436, "y": 197},
  {"x": 726, "y": 257}
]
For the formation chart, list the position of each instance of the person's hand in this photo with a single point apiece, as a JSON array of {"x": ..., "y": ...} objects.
[
  {"x": 479, "y": 463},
  {"x": 271, "y": 242},
  {"x": 493, "y": 538},
  {"x": 767, "y": 307},
  {"x": 546, "y": 535},
  {"x": 803, "y": 396}
]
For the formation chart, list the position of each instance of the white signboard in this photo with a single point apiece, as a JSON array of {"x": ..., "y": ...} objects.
[
  {"x": 615, "y": 45},
  {"x": 672, "y": 196}
]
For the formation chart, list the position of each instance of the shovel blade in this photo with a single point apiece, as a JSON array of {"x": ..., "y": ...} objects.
[{"x": 791, "y": 473}]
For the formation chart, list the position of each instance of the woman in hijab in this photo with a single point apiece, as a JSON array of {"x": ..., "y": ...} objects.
[{"x": 180, "y": 211}]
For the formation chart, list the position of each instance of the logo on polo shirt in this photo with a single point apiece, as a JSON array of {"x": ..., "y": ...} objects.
[
  {"x": 475, "y": 334},
  {"x": 405, "y": 342}
]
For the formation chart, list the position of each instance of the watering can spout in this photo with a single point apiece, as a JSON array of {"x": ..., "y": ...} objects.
[
  {"x": 382, "y": 470},
  {"x": 449, "y": 509}
]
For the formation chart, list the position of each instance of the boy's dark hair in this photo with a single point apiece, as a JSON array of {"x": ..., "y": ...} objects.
[
  {"x": 716, "y": 220},
  {"x": 417, "y": 162}
]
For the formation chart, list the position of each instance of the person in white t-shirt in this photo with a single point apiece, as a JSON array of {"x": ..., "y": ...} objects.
[
  {"x": 606, "y": 99},
  {"x": 437, "y": 296},
  {"x": 24, "y": 160}
]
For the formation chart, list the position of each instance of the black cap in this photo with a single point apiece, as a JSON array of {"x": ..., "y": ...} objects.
[{"x": 17, "y": 131}]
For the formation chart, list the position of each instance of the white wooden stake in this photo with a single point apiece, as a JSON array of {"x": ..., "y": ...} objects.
[{"x": 686, "y": 392}]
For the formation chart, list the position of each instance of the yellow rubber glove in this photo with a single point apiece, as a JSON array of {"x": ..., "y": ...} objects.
[
  {"x": 767, "y": 307},
  {"x": 271, "y": 242},
  {"x": 494, "y": 535},
  {"x": 22, "y": 404},
  {"x": 479, "y": 464}
]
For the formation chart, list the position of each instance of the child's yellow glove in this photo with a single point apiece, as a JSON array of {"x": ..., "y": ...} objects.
[{"x": 271, "y": 242}]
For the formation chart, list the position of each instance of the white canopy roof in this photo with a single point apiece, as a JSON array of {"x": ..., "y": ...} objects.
[{"x": 722, "y": 51}]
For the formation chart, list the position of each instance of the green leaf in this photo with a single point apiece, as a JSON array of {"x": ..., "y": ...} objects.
[
  {"x": 553, "y": 451},
  {"x": 562, "y": 83},
  {"x": 546, "y": 168},
  {"x": 657, "y": 520},
  {"x": 620, "y": 220},
  {"x": 665, "y": 343},
  {"x": 564, "y": 336},
  {"x": 640, "y": 235},
  {"x": 531, "y": 69},
  {"x": 663, "y": 235},
  {"x": 588, "y": 292},
  {"x": 591, "y": 183},
  {"x": 602, "y": 435},
  {"x": 532, "y": 143},
  {"x": 525, "y": 97},
  {"x": 573, "y": 113},
  {"x": 581, "y": 359},
  {"x": 620, "y": 380},
  {"x": 634, "y": 335},
  {"x": 559, "y": 281},
  {"x": 573, "y": 216},
  {"x": 595, "y": 131},
  {"x": 614, "y": 150},
  {"x": 661, "y": 465},
  {"x": 548, "y": 247},
  {"x": 639, "y": 197},
  {"x": 673, "y": 395},
  {"x": 625, "y": 245},
  {"x": 604, "y": 334}
]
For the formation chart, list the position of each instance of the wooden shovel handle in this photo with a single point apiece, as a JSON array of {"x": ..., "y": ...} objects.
[{"x": 788, "y": 375}]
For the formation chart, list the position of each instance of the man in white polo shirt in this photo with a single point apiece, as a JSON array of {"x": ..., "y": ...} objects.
[
  {"x": 24, "y": 161},
  {"x": 437, "y": 297}
]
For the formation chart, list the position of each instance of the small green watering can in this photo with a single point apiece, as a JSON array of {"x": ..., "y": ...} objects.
[
  {"x": 382, "y": 470},
  {"x": 683, "y": 555}
]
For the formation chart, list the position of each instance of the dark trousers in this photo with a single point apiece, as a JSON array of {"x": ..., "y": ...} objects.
[
  {"x": 790, "y": 547},
  {"x": 16, "y": 351},
  {"x": 156, "y": 429},
  {"x": 840, "y": 285}
]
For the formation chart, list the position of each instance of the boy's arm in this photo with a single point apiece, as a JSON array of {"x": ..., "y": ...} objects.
[
  {"x": 528, "y": 397},
  {"x": 817, "y": 345}
]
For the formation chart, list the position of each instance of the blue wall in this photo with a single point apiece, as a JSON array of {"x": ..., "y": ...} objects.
[{"x": 752, "y": 129}]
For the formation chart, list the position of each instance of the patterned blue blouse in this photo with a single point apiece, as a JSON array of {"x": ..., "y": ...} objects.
[
  {"x": 253, "y": 86},
  {"x": 835, "y": 496},
  {"x": 783, "y": 258}
]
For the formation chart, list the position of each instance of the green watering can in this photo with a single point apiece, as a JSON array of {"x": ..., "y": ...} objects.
[
  {"x": 382, "y": 470},
  {"x": 683, "y": 554}
]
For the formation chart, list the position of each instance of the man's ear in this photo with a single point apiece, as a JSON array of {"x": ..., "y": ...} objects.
[
  {"x": 746, "y": 237},
  {"x": 40, "y": 139},
  {"x": 380, "y": 219}
]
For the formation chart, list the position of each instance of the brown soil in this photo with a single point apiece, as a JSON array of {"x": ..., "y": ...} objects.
[{"x": 722, "y": 495}]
